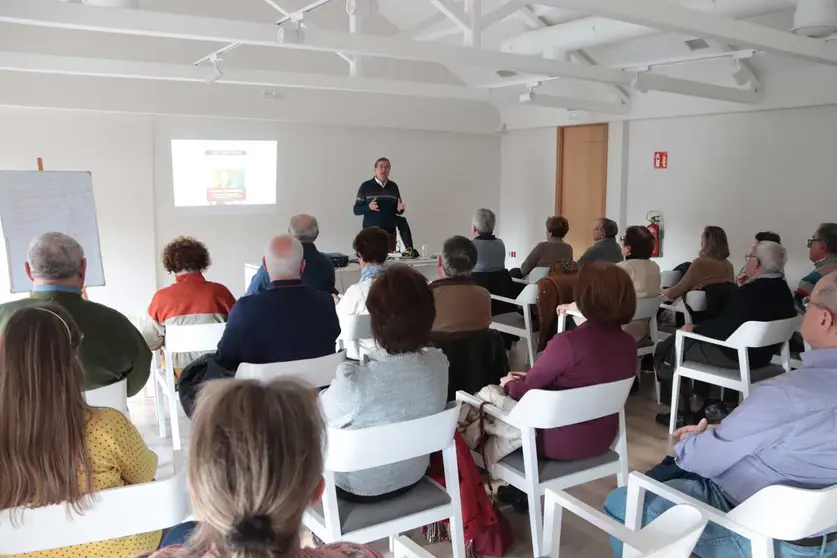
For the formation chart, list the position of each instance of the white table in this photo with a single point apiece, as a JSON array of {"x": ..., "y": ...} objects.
[{"x": 347, "y": 276}]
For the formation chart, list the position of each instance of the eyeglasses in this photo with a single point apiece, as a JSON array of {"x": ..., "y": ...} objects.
[
  {"x": 806, "y": 302},
  {"x": 812, "y": 240}
]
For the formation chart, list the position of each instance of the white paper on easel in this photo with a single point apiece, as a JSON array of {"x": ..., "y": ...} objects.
[{"x": 35, "y": 202}]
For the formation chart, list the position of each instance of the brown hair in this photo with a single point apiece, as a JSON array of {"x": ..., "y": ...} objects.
[
  {"x": 255, "y": 463},
  {"x": 604, "y": 293},
  {"x": 558, "y": 226},
  {"x": 402, "y": 309},
  {"x": 42, "y": 411},
  {"x": 639, "y": 239},
  {"x": 372, "y": 244},
  {"x": 185, "y": 253},
  {"x": 715, "y": 243}
]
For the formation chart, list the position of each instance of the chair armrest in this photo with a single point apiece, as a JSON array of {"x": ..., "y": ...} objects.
[
  {"x": 594, "y": 517},
  {"x": 506, "y": 300},
  {"x": 521, "y": 281},
  {"x": 490, "y": 410},
  {"x": 714, "y": 515},
  {"x": 703, "y": 338}
]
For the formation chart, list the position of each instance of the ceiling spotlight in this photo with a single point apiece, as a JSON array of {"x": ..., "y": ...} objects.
[
  {"x": 290, "y": 32},
  {"x": 215, "y": 72}
]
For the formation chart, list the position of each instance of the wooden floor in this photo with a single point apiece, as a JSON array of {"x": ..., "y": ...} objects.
[{"x": 647, "y": 444}]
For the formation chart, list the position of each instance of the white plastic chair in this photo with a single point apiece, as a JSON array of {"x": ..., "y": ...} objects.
[
  {"x": 774, "y": 513},
  {"x": 179, "y": 339},
  {"x": 318, "y": 372},
  {"x": 696, "y": 300},
  {"x": 356, "y": 450},
  {"x": 534, "y": 276},
  {"x": 114, "y": 396},
  {"x": 540, "y": 409},
  {"x": 673, "y": 534},
  {"x": 515, "y": 324},
  {"x": 113, "y": 513},
  {"x": 749, "y": 335},
  {"x": 669, "y": 278},
  {"x": 353, "y": 328}
]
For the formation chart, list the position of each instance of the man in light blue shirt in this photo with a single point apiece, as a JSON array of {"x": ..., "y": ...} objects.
[{"x": 784, "y": 433}]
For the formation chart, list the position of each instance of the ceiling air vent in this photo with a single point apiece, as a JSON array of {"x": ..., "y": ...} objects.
[
  {"x": 696, "y": 44},
  {"x": 507, "y": 73}
]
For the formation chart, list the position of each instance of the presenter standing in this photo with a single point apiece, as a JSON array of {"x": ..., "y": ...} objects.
[{"x": 379, "y": 201}]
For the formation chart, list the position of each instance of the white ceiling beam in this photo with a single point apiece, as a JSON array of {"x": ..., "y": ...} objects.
[
  {"x": 669, "y": 16},
  {"x": 503, "y": 12},
  {"x": 97, "y": 67},
  {"x": 415, "y": 31},
  {"x": 585, "y": 58},
  {"x": 154, "y": 24},
  {"x": 452, "y": 12},
  {"x": 529, "y": 18},
  {"x": 647, "y": 81},
  {"x": 570, "y": 103},
  {"x": 438, "y": 34}
]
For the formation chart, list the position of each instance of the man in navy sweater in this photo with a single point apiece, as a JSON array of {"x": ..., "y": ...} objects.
[
  {"x": 288, "y": 321},
  {"x": 379, "y": 201}
]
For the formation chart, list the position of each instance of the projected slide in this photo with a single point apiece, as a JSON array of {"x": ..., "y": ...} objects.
[{"x": 212, "y": 172}]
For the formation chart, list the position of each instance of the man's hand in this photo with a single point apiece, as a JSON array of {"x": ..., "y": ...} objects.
[
  {"x": 510, "y": 377},
  {"x": 688, "y": 327},
  {"x": 401, "y": 206},
  {"x": 683, "y": 433},
  {"x": 373, "y": 205}
]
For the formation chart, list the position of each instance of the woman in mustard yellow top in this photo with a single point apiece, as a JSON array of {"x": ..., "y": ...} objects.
[{"x": 53, "y": 447}]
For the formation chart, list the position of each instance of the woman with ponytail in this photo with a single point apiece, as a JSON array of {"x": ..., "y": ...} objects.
[{"x": 255, "y": 464}]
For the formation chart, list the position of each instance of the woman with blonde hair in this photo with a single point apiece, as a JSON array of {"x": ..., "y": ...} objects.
[
  {"x": 710, "y": 267},
  {"x": 255, "y": 464},
  {"x": 54, "y": 448}
]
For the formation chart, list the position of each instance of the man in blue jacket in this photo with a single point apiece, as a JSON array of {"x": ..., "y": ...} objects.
[
  {"x": 319, "y": 270},
  {"x": 379, "y": 201},
  {"x": 287, "y": 321}
]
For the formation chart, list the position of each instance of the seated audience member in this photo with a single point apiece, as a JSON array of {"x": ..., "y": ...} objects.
[
  {"x": 710, "y": 267},
  {"x": 822, "y": 250},
  {"x": 288, "y": 321},
  {"x": 595, "y": 352},
  {"x": 371, "y": 246},
  {"x": 55, "y": 448},
  {"x": 191, "y": 300},
  {"x": 763, "y": 297},
  {"x": 763, "y": 236},
  {"x": 556, "y": 289},
  {"x": 637, "y": 247},
  {"x": 552, "y": 250},
  {"x": 491, "y": 252},
  {"x": 460, "y": 304},
  {"x": 605, "y": 248},
  {"x": 404, "y": 380},
  {"x": 112, "y": 349},
  {"x": 783, "y": 433},
  {"x": 255, "y": 465},
  {"x": 319, "y": 270}
]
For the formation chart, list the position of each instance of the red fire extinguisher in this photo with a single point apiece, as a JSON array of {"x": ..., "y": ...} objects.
[{"x": 655, "y": 225}]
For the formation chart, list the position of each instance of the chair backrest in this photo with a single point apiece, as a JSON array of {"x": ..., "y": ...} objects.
[
  {"x": 788, "y": 513},
  {"x": 669, "y": 278},
  {"x": 355, "y": 326},
  {"x": 696, "y": 300},
  {"x": 551, "y": 409},
  {"x": 647, "y": 307},
  {"x": 318, "y": 372},
  {"x": 537, "y": 274},
  {"x": 675, "y": 533},
  {"x": 193, "y": 338},
  {"x": 764, "y": 334},
  {"x": 113, "y": 513},
  {"x": 529, "y": 294},
  {"x": 364, "y": 448},
  {"x": 114, "y": 396}
]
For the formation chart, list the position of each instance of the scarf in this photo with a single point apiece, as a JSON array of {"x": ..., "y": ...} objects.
[{"x": 370, "y": 271}]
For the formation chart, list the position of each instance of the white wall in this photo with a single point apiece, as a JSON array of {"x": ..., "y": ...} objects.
[
  {"x": 443, "y": 176},
  {"x": 118, "y": 151},
  {"x": 772, "y": 170}
]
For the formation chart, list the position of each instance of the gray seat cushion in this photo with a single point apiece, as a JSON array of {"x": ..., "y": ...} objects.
[
  {"x": 644, "y": 343},
  {"x": 354, "y": 517},
  {"x": 757, "y": 375},
  {"x": 512, "y": 319},
  {"x": 550, "y": 469}
]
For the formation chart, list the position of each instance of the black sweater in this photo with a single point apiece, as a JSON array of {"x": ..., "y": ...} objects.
[
  {"x": 387, "y": 196},
  {"x": 762, "y": 300}
]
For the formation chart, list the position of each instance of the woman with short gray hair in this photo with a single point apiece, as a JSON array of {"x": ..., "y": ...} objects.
[{"x": 491, "y": 252}]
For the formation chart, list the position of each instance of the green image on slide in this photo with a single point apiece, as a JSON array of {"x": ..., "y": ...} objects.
[{"x": 227, "y": 185}]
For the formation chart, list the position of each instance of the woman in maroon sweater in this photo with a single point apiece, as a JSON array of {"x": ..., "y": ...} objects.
[{"x": 596, "y": 352}]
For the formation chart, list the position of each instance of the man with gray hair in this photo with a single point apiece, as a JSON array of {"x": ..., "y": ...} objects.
[
  {"x": 287, "y": 321},
  {"x": 112, "y": 349},
  {"x": 763, "y": 297},
  {"x": 491, "y": 252},
  {"x": 319, "y": 270},
  {"x": 460, "y": 304}
]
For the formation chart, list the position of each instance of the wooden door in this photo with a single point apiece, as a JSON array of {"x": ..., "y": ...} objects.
[{"x": 581, "y": 184}]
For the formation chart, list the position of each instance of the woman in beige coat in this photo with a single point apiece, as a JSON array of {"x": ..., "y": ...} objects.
[{"x": 637, "y": 247}]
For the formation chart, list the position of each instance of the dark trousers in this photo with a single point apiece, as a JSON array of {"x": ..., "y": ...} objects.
[
  {"x": 694, "y": 351},
  {"x": 393, "y": 240}
]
